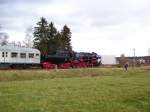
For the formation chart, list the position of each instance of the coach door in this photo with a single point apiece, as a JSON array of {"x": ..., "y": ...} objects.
[{"x": 4, "y": 57}]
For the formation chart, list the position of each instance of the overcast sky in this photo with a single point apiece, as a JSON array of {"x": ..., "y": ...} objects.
[{"x": 103, "y": 26}]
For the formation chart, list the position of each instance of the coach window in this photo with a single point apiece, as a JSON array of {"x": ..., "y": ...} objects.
[
  {"x": 6, "y": 54},
  {"x": 37, "y": 55},
  {"x": 3, "y": 54},
  {"x": 22, "y": 55},
  {"x": 31, "y": 55},
  {"x": 14, "y": 55}
]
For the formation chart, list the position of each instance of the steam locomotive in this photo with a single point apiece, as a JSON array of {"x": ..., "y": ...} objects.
[{"x": 70, "y": 59}]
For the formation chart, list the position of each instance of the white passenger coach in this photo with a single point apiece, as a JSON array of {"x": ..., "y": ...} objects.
[{"x": 13, "y": 56}]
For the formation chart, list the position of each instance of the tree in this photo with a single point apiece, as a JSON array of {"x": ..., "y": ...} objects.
[
  {"x": 48, "y": 40},
  {"x": 28, "y": 41},
  {"x": 66, "y": 38},
  {"x": 41, "y": 36},
  {"x": 58, "y": 41},
  {"x": 3, "y": 37},
  {"x": 52, "y": 38}
]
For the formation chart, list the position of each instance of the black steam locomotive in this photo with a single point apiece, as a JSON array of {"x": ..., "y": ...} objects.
[{"x": 70, "y": 59}]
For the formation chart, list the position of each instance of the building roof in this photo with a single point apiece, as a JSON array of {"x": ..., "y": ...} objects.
[{"x": 13, "y": 48}]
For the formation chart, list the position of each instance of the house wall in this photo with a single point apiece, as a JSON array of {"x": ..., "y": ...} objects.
[{"x": 108, "y": 60}]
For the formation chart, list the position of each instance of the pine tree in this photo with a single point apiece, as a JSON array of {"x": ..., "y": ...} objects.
[
  {"x": 52, "y": 32},
  {"x": 41, "y": 37},
  {"x": 66, "y": 39},
  {"x": 58, "y": 41}
]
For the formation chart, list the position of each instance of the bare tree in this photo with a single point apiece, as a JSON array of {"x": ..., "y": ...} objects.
[
  {"x": 19, "y": 43},
  {"x": 28, "y": 41},
  {"x": 13, "y": 43},
  {"x": 3, "y": 37}
]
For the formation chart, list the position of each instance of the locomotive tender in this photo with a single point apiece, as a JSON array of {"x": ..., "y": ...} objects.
[{"x": 12, "y": 56}]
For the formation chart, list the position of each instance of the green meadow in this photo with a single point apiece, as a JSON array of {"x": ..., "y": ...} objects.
[{"x": 75, "y": 90}]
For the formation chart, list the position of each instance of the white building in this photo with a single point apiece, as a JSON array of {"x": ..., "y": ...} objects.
[{"x": 108, "y": 60}]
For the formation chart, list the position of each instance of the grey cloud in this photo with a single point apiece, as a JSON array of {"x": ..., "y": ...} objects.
[
  {"x": 108, "y": 12},
  {"x": 113, "y": 20},
  {"x": 23, "y": 1},
  {"x": 25, "y": 14}
]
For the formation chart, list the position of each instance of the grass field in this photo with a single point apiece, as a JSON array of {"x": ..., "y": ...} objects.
[{"x": 75, "y": 90}]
